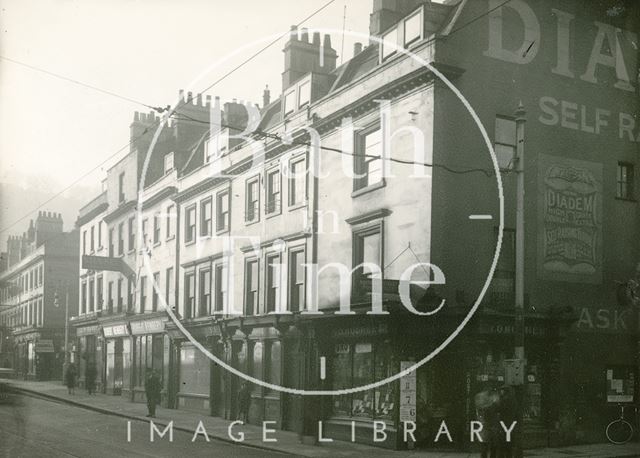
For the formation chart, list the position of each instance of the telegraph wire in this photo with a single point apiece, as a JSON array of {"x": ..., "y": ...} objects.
[
  {"x": 129, "y": 99},
  {"x": 78, "y": 180},
  {"x": 161, "y": 110},
  {"x": 261, "y": 50},
  {"x": 477, "y": 18},
  {"x": 263, "y": 134},
  {"x": 80, "y": 83}
]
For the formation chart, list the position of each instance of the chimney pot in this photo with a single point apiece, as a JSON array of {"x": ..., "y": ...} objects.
[
  {"x": 208, "y": 100},
  {"x": 305, "y": 35},
  {"x": 316, "y": 39},
  {"x": 327, "y": 42},
  {"x": 357, "y": 48},
  {"x": 199, "y": 99},
  {"x": 294, "y": 33},
  {"x": 181, "y": 95},
  {"x": 189, "y": 97}
]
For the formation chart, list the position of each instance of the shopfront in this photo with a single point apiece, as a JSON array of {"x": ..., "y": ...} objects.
[
  {"x": 118, "y": 357},
  {"x": 599, "y": 370},
  {"x": 360, "y": 352},
  {"x": 191, "y": 369},
  {"x": 150, "y": 352},
  {"x": 89, "y": 353}
]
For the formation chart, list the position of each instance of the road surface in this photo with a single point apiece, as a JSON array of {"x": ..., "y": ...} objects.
[{"x": 34, "y": 428}]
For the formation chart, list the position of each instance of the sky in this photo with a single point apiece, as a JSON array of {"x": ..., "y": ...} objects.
[{"x": 54, "y": 132}]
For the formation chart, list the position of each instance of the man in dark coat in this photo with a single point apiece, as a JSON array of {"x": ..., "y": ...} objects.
[
  {"x": 70, "y": 377},
  {"x": 90, "y": 377},
  {"x": 244, "y": 401},
  {"x": 153, "y": 387}
]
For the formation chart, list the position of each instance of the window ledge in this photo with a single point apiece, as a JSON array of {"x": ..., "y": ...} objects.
[
  {"x": 190, "y": 242},
  {"x": 297, "y": 206},
  {"x": 272, "y": 214},
  {"x": 626, "y": 199},
  {"x": 168, "y": 239},
  {"x": 370, "y": 188},
  {"x": 252, "y": 222},
  {"x": 156, "y": 244},
  {"x": 222, "y": 231}
]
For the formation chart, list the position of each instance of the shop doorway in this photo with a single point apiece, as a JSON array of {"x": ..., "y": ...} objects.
[
  {"x": 217, "y": 383},
  {"x": 441, "y": 395}
]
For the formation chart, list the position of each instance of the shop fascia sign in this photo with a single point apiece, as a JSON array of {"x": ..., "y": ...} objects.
[
  {"x": 88, "y": 330},
  {"x": 147, "y": 326},
  {"x": 117, "y": 330},
  {"x": 44, "y": 346},
  {"x": 360, "y": 331}
]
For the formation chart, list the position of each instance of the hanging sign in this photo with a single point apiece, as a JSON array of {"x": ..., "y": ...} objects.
[{"x": 407, "y": 393}]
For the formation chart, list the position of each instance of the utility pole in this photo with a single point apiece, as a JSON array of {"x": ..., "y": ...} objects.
[
  {"x": 519, "y": 353},
  {"x": 519, "y": 277},
  {"x": 66, "y": 328}
]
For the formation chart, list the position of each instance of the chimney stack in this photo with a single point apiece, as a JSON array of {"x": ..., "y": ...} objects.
[
  {"x": 357, "y": 48},
  {"x": 266, "y": 96},
  {"x": 302, "y": 57}
]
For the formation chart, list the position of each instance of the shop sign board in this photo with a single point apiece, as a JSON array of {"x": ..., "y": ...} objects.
[
  {"x": 361, "y": 331},
  {"x": 407, "y": 393},
  {"x": 44, "y": 346},
  {"x": 570, "y": 218},
  {"x": 147, "y": 326},
  {"x": 117, "y": 330},
  {"x": 620, "y": 384},
  {"x": 87, "y": 331}
]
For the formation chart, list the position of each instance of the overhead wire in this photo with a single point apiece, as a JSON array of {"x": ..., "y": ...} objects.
[{"x": 226, "y": 75}]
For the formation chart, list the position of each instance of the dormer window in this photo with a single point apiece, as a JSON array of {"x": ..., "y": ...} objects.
[
  {"x": 304, "y": 94},
  {"x": 290, "y": 102},
  {"x": 405, "y": 33},
  {"x": 389, "y": 43},
  {"x": 168, "y": 163},
  {"x": 217, "y": 146},
  {"x": 413, "y": 28},
  {"x": 298, "y": 96}
]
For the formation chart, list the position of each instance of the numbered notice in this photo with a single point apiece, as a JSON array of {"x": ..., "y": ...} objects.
[{"x": 407, "y": 393}]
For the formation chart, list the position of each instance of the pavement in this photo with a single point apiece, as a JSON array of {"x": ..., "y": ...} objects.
[{"x": 287, "y": 442}]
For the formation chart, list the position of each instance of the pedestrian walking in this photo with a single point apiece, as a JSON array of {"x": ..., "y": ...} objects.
[
  {"x": 152, "y": 388},
  {"x": 90, "y": 374},
  {"x": 487, "y": 403},
  {"x": 244, "y": 400},
  {"x": 70, "y": 377}
]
